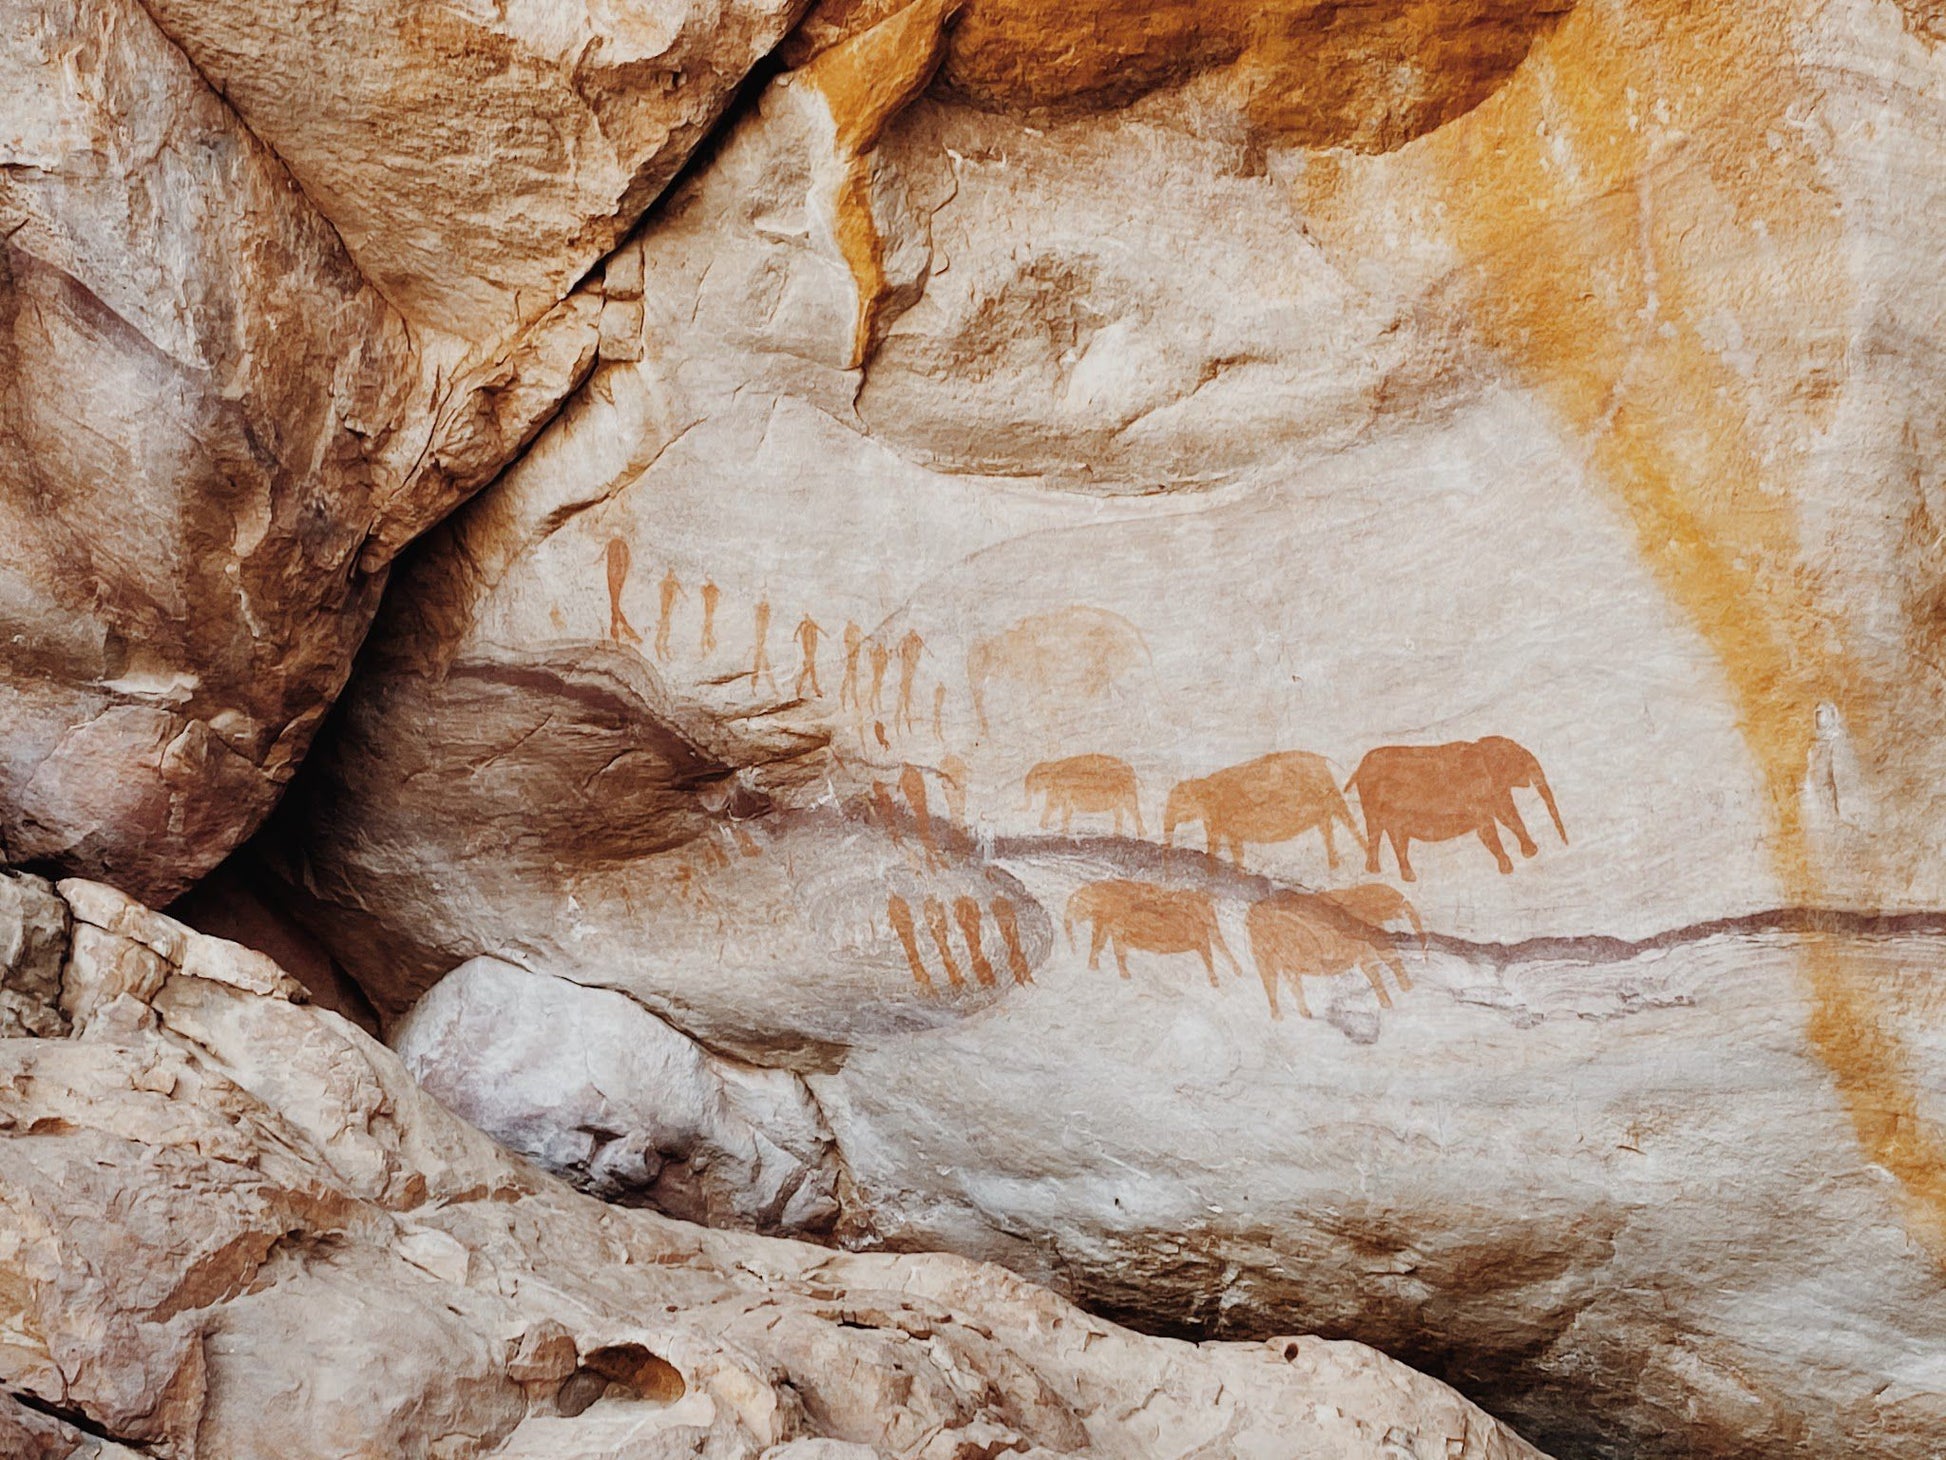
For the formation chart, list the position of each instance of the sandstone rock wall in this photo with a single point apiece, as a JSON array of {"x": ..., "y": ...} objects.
[
  {"x": 243, "y": 363},
  {"x": 236, "y": 1228},
  {"x": 1278, "y": 664},
  {"x": 1541, "y": 465}
]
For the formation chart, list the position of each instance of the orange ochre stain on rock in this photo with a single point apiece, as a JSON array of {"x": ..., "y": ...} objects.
[
  {"x": 1635, "y": 179},
  {"x": 1306, "y": 72},
  {"x": 1309, "y": 72},
  {"x": 866, "y": 80}
]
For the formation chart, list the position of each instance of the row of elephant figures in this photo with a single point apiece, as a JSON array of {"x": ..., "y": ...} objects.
[
  {"x": 1293, "y": 935},
  {"x": 1428, "y": 793}
]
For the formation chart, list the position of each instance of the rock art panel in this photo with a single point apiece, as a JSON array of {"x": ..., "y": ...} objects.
[{"x": 1351, "y": 609}]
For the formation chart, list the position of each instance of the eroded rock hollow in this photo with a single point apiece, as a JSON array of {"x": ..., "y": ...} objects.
[{"x": 1276, "y": 665}]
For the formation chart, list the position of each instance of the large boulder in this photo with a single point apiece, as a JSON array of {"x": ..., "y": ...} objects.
[
  {"x": 1012, "y": 461},
  {"x": 231, "y": 391},
  {"x": 231, "y": 1225}
]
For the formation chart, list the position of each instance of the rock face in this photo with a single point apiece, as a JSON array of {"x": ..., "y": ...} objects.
[
  {"x": 1064, "y": 516},
  {"x": 477, "y": 159},
  {"x": 217, "y": 429},
  {"x": 234, "y": 1228}
]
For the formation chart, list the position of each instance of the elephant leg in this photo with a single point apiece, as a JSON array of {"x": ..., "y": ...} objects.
[
  {"x": 1297, "y": 994},
  {"x": 1490, "y": 838},
  {"x": 1330, "y": 850},
  {"x": 1390, "y": 957},
  {"x": 1209, "y": 966},
  {"x": 1067, "y": 818},
  {"x": 1236, "y": 852},
  {"x": 1372, "y": 835},
  {"x": 1504, "y": 808},
  {"x": 1268, "y": 973},
  {"x": 1369, "y": 966},
  {"x": 1121, "y": 957},
  {"x": 1096, "y": 943},
  {"x": 1401, "y": 844},
  {"x": 1118, "y": 821},
  {"x": 1047, "y": 814}
]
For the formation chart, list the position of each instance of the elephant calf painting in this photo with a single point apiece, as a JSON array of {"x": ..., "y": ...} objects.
[
  {"x": 1270, "y": 799},
  {"x": 1296, "y": 935},
  {"x": 1437, "y": 792},
  {"x": 1086, "y": 783}
]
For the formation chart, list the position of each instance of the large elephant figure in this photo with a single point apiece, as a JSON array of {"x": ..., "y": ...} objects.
[
  {"x": 1437, "y": 792},
  {"x": 1075, "y": 651}
]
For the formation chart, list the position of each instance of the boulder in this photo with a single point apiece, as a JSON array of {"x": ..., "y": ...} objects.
[
  {"x": 1322, "y": 722},
  {"x": 252, "y": 344},
  {"x": 233, "y": 1226}
]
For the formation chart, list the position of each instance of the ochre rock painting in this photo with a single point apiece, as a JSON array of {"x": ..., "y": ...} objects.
[
  {"x": 760, "y": 666},
  {"x": 1144, "y": 918},
  {"x": 880, "y": 657},
  {"x": 1295, "y": 935},
  {"x": 670, "y": 593},
  {"x": 1090, "y": 784},
  {"x": 1428, "y": 793},
  {"x": 619, "y": 628},
  {"x": 809, "y": 631},
  {"x": 1073, "y": 653},
  {"x": 711, "y": 595},
  {"x": 1433, "y": 793},
  {"x": 1271, "y": 799},
  {"x": 1378, "y": 906},
  {"x": 911, "y": 649},
  {"x": 848, "y": 687}
]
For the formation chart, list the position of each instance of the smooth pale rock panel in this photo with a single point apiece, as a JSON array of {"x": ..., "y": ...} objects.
[
  {"x": 216, "y": 433},
  {"x": 478, "y": 159},
  {"x": 308, "y": 1256},
  {"x": 655, "y": 1118},
  {"x": 1151, "y": 580}
]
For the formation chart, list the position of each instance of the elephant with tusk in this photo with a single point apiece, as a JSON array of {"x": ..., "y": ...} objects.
[{"x": 1438, "y": 792}]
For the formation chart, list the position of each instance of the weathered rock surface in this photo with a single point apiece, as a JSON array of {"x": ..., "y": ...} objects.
[
  {"x": 215, "y": 430},
  {"x": 233, "y": 1227},
  {"x": 1573, "y": 408},
  {"x": 477, "y": 159}
]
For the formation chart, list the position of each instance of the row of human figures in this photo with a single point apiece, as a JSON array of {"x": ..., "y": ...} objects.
[
  {"x": 1429, "y": 793},
  {"x": 868, "y": 659}
]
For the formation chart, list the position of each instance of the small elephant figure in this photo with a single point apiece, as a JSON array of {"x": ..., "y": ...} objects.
[
  {"x": 1142, "y": 917},
  {"x": 1270, "y": 799},
  {"x": 1086, "y": 783},
  {"x": 1438, "y": 792},
  {"x": 1297, "y": 935}
]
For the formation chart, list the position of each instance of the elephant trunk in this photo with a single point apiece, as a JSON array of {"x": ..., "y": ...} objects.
[
  {"x": 1342, "y": 810},
  {"x": 1180, "y": 807},
  {"x": 1547, "y": 795}
]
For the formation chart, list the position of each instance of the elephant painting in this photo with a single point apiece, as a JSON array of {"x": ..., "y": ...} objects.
[
  {"x": 1086, "y": 783},
  {"x": 1295, "y": 936},
  {"x": 1145, "y": 918},
  {"x": 1073, "y": 651},
  {"x": 1270, "y": 799},
  {"x": 1438, "y": 792}
]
